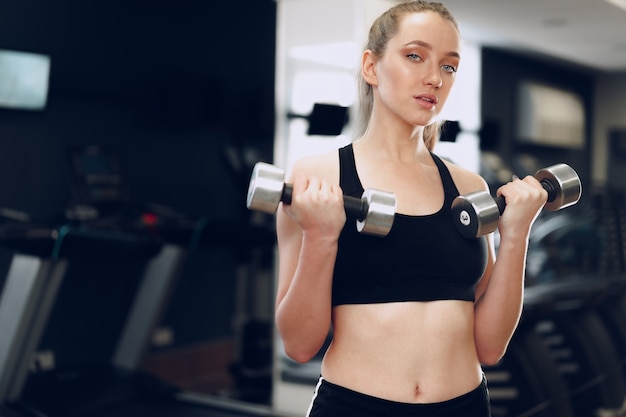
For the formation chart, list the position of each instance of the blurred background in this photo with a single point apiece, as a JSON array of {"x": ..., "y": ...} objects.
[{"x": 128, "y": 133}]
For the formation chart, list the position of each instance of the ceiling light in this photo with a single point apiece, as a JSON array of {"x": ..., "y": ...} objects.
[{"x": 619, "y": 3}]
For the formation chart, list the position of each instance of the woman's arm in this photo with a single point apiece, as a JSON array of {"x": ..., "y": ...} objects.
[
  {"x": 308, "y": 231},
  {"x": 500, "y": 294}
]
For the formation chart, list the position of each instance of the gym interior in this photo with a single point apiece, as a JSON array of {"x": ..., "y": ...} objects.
[{"x": 135, "y": 281}]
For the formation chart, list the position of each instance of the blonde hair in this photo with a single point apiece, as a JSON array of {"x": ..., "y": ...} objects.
[{"x": 383, "y": 29}]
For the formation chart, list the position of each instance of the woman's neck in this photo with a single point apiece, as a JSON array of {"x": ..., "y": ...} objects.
[{"x": 402, "y": 145}]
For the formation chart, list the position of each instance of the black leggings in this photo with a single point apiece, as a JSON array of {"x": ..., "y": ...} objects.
[{"x": 330, "y": 400}]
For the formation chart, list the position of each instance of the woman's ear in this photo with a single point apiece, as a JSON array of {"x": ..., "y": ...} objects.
[{"x": 368, "y": 67}]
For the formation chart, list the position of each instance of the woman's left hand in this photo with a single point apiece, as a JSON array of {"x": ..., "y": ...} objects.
[{"x": 524, "y": 200}]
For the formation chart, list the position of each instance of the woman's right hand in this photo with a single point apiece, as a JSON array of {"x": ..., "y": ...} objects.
[{"x": 316, "y": 206}]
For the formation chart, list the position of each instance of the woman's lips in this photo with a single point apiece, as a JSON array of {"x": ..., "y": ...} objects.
[{"x": 427, "y": 100}]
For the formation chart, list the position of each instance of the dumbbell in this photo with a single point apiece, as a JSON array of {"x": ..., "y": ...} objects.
[
  {"x": 477, "y": 213},
  {"x": 374, "y": 211}
]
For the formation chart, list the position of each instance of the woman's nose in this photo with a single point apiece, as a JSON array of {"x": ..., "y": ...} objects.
[{"x": 433, "y": 78}]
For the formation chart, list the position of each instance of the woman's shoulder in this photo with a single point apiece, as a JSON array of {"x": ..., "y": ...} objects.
[
  {"x": 466, "y": 180},
  {"x": 322, "y": 165}
]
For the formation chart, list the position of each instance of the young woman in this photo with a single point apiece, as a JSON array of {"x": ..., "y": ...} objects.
[{"x": 416, "y": 313}]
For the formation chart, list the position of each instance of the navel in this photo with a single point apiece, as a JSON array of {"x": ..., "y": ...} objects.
[{"x": 418, "y": 392}]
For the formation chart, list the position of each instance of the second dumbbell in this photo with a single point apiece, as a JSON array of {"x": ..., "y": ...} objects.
[
  {"x": 374, "y": 211},
  {"x": 478, "y": 213}
]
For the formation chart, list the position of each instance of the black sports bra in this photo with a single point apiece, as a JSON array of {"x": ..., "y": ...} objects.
[{"x": 423, "y": 258}]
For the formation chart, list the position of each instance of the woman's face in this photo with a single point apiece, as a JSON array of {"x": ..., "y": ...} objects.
[{"x": 414, "y": 76}]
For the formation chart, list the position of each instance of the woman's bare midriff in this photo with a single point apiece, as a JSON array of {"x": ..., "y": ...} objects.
[{"x": 411, "y": 352}]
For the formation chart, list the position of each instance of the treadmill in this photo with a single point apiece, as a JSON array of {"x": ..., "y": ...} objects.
[
  {"x": 582, "y": 340},
  {"x": 42, "y": 256}
]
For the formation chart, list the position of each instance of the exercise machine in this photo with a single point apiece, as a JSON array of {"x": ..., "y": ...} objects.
[{"x": 114, "y": 386}]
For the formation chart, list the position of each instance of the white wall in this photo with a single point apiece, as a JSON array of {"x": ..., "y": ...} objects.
[{"x": 318, "y": 48}]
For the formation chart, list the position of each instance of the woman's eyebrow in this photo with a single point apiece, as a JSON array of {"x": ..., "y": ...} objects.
[{"x": 427, "y": 45}]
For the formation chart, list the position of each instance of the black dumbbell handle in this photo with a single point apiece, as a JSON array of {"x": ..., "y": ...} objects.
[
  {"x": 547, "y": 185},
  {"x": 355, "y": 207}
]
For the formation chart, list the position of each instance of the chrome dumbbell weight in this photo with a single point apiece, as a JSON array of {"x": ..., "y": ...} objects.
[
  {"x": 478, "y": 213},
  {"x": 374, "y": 211}
]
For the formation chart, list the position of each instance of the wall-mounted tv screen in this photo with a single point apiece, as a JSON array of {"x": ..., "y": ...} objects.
[
  {"x": 23, "y": 80},
  {"x": 549, "y": 116}
]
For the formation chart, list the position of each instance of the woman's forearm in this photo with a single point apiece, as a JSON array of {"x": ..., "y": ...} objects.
[
  {"x": 498, "y": 311},
  {"x": 303, "y": 315}
]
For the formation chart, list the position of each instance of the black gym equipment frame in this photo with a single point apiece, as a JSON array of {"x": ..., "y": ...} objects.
[
  {"x": 116, "y": 389},
  {"x": 526, "y": 381},
  {"x": 582, "y": 340}
]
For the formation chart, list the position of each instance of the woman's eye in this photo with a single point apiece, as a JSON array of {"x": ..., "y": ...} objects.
[
  {"x": 414, "y": 57},
  {"x": 449, "y": 68}
]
